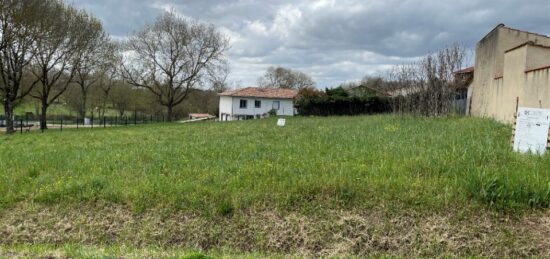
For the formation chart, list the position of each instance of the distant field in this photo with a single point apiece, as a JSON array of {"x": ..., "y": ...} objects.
[
  {"x": 54, "y": 110},
  {"x": 372, "y": 185}
]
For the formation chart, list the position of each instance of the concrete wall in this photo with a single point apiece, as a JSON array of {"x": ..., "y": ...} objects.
[
  {"x": 231, "y": 106},
  {"x": 500, "y": 78},
  {"x": 539, "y": 86},
  {"x": 512, "y": 84},
  {"x": 537, "y": 57},
  {"x": 482, "y": 87}
]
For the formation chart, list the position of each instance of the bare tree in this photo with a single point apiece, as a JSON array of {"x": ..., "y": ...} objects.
[
  {"x": 428, "y": 87},
  {"x": 111, "y": 72},
  {"x": 90, "y": 61},
  {"x": 404, "y": 82},
  {"x": 122, "y": 96},
  {"x": 281, "y": 77},
  {"x": 56, "y": 47},
  {"x": 217, "y": 77},
  {"x": 171, "y": 56},
  {"x": 18, "y": 27}
]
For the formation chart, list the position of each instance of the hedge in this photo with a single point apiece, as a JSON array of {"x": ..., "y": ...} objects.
[{"x": 337, "y": 105}]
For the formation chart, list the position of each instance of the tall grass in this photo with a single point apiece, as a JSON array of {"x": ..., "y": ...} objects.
[{"x": 312, "y": 164}]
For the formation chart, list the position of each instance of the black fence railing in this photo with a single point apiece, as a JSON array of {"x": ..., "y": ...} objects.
[{"x": 27, "y": 122}]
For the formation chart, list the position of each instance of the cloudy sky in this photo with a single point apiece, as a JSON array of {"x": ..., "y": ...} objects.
[{"x": 333, "y": 41}]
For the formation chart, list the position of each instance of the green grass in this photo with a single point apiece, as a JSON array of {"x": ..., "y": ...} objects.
[
  {"x": 78, "y": 251},
  {"x": 310, "y": 165}
]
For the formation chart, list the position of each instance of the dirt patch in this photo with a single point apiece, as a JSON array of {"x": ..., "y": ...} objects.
[{"x": 334, "y": 233}]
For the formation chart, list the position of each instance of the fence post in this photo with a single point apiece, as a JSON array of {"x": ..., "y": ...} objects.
[
  {"x": 61, "y": 124},
  {"x": 135, "y": 117},
  {"x": 92, "y": 120},
  {"x": 126, "y": 117},
  {"x": 21, "y": 125},
  {"x": 104, "y": 122},
  {"x": 76, "y": 121},
  {"x": 116, "y": 120}
]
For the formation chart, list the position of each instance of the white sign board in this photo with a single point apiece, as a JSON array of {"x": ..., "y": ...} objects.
[
  {"x": 532, "y": 130},
  {"x": 281, "y": 122}
]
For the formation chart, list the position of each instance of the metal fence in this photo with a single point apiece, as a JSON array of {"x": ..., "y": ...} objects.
[{"x": 25, "y": 123}]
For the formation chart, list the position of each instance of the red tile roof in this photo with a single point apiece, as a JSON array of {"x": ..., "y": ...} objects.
[{"x": 275, "y": 93}]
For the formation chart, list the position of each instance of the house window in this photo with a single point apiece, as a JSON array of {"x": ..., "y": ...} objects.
[
  {"x": 243, "y": 104},
  {"x": 258, "y": 104},
  {"x": 276, "y": 105}
]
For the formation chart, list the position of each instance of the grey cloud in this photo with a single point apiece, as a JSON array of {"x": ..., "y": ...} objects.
[
  {"x": 334, "y": 41},
  {"x": 120, "y": 17}
]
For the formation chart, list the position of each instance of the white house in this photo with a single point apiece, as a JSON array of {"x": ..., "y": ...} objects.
[{"x": 254, "y": 102}]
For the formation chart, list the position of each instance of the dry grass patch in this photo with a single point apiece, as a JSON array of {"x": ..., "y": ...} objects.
[{"x": 335, "y": 233}]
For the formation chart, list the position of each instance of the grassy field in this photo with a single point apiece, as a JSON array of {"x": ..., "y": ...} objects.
[{"x": 379, "y": 185}]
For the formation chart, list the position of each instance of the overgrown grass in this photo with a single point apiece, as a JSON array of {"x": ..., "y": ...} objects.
[{"x": 310, "y": 165}]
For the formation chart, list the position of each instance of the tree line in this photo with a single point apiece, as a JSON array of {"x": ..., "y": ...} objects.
[
  {"x": 51, "y": 51},
  {"x": 427, "y": 87}
]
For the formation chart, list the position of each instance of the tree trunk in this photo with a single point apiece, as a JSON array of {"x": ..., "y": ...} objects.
[
  {"x": 170, "y": 113},
  {"x": 83, "y": 106},
  {"x": 43, "y": 115},
  {"x": 8, "y": 112},
  {"x": 103, "y": 108}
]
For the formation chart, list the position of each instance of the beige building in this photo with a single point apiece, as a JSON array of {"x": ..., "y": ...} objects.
[{"x": 512, "y": 68}]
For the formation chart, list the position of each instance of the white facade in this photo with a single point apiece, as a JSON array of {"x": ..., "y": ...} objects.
[{"x": 238, "y": 108}]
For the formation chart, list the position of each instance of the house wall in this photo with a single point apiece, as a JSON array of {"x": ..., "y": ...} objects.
[
  {"x": 512, "y": 84},
  {"x": 231, "y": 106},
  {"x": 497, "y": 81},
  {"x": 537, "y": 57},
  {"x": 286, "y": 106},
  {"x": 226, "y": 106},
  {"x": 539, "y": 86}
]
